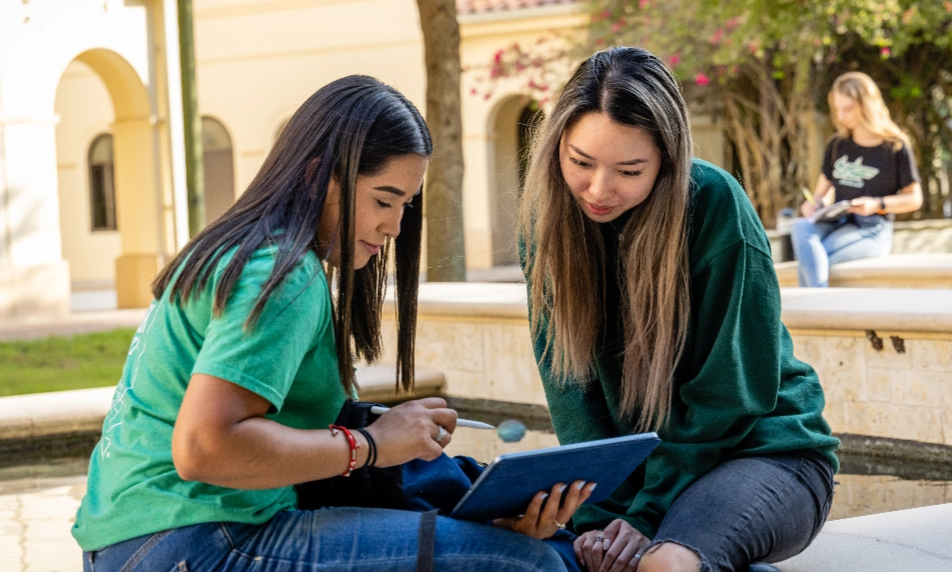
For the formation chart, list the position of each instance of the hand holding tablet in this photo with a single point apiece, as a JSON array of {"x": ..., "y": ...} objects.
[
  {"x": 549, "y": 511},
  {"x": 513, "y": 482}
]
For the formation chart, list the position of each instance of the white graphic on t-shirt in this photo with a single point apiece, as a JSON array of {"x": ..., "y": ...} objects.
[
  {"x": 118, "y": 398},
  {"x": 853, "y": 174}
]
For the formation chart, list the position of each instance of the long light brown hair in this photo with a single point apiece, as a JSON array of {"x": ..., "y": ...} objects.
[
  {"x": 565, "y": 254},
  {"x": 873, "y": 111}
]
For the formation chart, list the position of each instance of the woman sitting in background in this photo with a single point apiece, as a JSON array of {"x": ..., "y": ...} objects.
[{"x": 869, "y": 163}]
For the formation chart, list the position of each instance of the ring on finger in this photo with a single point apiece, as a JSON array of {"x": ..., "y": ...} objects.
[
  {"x": 599, "y": 538},
  {"x": 441, "y": 434},
  {"x": 559, "y": 524}
]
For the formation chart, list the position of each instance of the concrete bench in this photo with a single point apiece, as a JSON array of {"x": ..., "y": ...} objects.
[
  {"x": 895, "y": 271},
  {"x": 43, "y": 415},
  {"x": 915, "y": 539},
  {"x": 909, "y": 237}
]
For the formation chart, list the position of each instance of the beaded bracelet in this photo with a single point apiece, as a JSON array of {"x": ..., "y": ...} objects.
[{"x": 352, "y": 442}]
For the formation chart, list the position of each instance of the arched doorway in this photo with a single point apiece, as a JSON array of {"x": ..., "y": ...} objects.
[
  {"x": 86, "y": 183},
  {"x": 508, "y": 160},
  {"x": 110, "y": 213},
  {"x": 219, "y": 168}
]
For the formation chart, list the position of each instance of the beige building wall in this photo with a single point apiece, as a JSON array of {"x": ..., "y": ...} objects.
[
  {"x": 257, "y": 61},
  {"x": 132, "y": 46},
  {"x": 85, "y": 111},
  {"x": 491, "y": 179}
]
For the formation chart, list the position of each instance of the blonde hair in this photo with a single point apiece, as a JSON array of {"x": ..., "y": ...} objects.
[
  {"x": 565, "y": 254},
  {"x": 874, "y": 114}
]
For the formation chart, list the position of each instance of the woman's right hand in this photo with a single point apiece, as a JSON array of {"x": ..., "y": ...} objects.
[
  {"x": 807, "y": 208},
  {"x": 409, "y": 430}
]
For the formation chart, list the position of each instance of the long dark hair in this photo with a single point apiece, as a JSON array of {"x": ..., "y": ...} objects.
[
  {"x": 352, "y": 126},
  {"x": 566, "y": 257}
]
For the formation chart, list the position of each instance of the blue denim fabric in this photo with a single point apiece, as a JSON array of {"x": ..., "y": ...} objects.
[
  {"x": 818, "y": 245},
  {"x": 327, "y": 540},
  {"x": 752, "y": 509}
]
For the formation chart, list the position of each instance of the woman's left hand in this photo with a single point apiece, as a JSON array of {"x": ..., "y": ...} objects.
[
  {"x": 611, "y": 550},
  {"x": 864, "y": 206},
  {"x": 544, "y": 517}
]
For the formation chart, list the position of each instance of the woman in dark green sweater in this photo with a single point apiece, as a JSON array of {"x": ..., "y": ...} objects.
[{"x": 655, "y": 307}]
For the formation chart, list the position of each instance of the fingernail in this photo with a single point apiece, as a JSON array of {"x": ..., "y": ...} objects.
[
  {"x": 562, "y": 489},
  {"x": 606, "y": 543},
  {"x": 545, "y": 496},
  {"x": 593, "y": 487}
]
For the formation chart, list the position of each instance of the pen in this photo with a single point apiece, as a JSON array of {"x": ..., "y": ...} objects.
[
  {"x": 808, "y": 195},
  {"x": 379, "y": 410}
]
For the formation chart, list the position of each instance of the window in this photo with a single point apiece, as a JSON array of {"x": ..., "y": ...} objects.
[{"x": 102, "y": 185}]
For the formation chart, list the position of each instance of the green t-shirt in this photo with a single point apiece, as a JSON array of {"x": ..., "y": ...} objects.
[
  {"x": 738, "y": 389},
  {"x": 289, "y": 358}
]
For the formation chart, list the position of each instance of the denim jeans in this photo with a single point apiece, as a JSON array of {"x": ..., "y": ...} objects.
[
  {"x": 818, "y": 245},
  {"x": 327, "y": 540},
  {"x": 752, "y": 509}
]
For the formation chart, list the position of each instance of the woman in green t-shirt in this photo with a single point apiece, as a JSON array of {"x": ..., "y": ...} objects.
[
  {"x": 245, "y": 358},
  {"x": 655, "y": 307}
]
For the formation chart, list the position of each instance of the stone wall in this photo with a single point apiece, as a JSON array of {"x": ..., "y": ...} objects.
[
  {"x": 477, "y": 335},
  {"x": 883, "y": 393}
]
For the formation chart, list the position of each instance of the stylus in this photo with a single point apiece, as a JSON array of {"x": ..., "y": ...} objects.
[{"x": 379, "y": 410}]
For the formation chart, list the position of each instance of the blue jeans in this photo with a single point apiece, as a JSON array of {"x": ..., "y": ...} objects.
[
  {"x": 752, "y": 509},
  {"x": 818, "y": 245},
  {"x": 327, "y": 540}
]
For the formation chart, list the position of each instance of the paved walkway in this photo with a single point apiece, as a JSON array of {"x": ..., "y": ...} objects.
[{"x": 75, "y": 323}]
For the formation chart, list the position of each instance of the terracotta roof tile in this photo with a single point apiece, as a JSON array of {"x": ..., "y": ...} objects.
[{"x": 480, "y": 6}]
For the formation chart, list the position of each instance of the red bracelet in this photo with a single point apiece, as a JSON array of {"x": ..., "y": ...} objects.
[{"x": 352, "y": 442}]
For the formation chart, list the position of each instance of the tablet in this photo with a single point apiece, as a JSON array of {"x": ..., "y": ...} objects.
[{"x": 507, "y": 486}]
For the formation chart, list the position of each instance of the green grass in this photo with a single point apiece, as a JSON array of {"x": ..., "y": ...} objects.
[{"x": 59, "y": 363}]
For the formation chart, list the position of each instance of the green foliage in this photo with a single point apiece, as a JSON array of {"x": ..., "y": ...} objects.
[
  {"x": 763, "y": 67},
  {"x": 59, "y": 363}
]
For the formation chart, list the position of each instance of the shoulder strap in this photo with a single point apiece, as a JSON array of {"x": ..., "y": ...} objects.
[{"x": 426, "y": 541}]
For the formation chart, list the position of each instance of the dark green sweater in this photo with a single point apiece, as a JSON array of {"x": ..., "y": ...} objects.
[{"x": 738, "y": 390}]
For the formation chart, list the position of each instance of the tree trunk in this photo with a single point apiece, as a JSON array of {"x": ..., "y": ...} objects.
[{"x": 443, "y": 196}]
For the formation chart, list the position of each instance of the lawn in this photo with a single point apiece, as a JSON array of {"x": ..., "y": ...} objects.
[{"x": 60, "y": 363}]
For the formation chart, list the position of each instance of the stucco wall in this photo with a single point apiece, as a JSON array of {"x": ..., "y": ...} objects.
[{"x": 85, "y": 111}]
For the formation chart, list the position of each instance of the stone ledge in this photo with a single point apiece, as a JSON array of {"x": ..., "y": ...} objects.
[
  {"x": 75, "y": 411},
  {"x": 81, "y": 411},
  {"x": 915, "y": 539},
  {"x": 860, "y": 309},
  {"x": 469, "y": 300},
  {"x": 913, "y": 451},
  {"x": 896, "y": 271},
  {"x": 892, "y": 310}
]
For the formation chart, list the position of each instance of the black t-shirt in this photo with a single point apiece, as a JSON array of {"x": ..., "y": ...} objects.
[{"x": 857, "y": 171}]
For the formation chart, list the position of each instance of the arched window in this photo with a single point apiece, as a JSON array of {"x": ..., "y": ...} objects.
[
  {"x": 102, "y": 184},
  {"x": 219, "y": 169}
]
